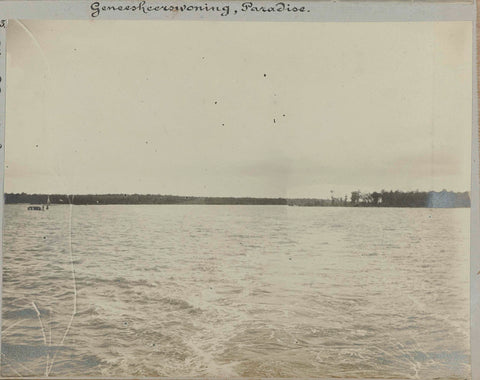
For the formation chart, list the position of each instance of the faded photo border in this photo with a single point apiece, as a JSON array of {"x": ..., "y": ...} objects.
[{"x": 309, "y": 11}]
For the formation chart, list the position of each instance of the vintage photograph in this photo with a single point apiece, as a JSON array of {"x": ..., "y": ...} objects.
[{"x": 237, "y": 199}]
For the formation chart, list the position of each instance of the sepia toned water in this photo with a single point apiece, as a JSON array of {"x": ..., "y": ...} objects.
[{"x": 265, "y": 291}]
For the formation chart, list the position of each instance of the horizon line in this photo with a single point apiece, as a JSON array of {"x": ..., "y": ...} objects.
[{"x": 243, "y": 196}]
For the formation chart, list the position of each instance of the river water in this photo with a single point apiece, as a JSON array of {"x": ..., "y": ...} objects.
[{"x": 264, "y": 291}]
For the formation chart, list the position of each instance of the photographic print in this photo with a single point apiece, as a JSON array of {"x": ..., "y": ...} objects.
[{"x": 237, "y": 199}]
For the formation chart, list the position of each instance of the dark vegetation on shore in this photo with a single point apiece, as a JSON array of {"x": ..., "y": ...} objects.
[{"x": 355, "y": 199}]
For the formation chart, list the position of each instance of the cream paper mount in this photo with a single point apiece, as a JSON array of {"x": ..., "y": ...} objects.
[{"x": 239, "y": 190}]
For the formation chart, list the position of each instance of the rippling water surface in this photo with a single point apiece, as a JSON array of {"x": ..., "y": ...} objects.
[{"x": 266, "y": 291}]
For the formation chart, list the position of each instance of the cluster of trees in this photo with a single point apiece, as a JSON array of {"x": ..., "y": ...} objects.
[
  {"x": 357, "y": 199},
  {"x": 390, "y": 198},
  {"x": 410, "y": 199}
]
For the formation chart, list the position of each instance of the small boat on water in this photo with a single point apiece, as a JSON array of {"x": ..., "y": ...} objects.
[
  {"x": 40, "y": 208},
  {"x": 36, "y": 208}
]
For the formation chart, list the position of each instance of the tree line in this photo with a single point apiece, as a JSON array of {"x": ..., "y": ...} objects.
[{"x": 356, "y": 199}]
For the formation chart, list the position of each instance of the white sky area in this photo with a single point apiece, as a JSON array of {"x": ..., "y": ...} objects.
[{"x": 129, "y": 107}]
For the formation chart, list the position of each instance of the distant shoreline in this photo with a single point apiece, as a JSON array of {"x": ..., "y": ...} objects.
[
  {"x": 236, "y": 204},
  {"x": 417, "y": 199}
]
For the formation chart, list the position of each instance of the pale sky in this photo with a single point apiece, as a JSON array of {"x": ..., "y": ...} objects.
[{"x": 170, "y": 107}]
